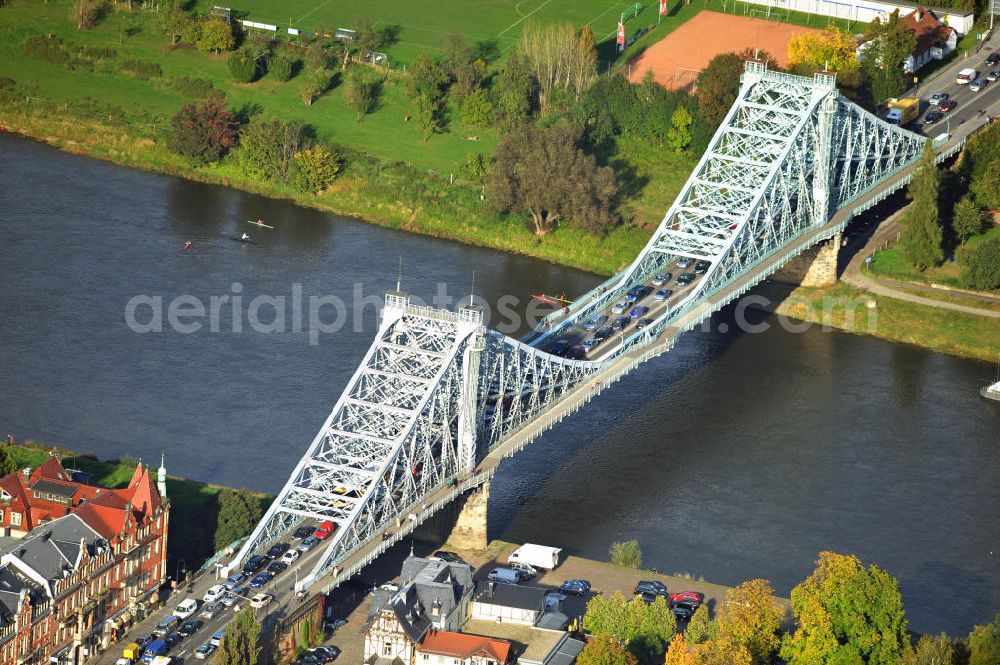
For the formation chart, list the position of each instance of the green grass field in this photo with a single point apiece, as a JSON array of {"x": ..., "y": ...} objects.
[{"x": 420, "y": 27}]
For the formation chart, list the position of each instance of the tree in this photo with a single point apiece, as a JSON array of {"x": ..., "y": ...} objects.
[
  {"x": 314, "y": 86},
  {"x": 920, "y": 242},
  {"x": 886, "y": 46},
  {"x": 751, "y": 616},
  {"x": 657, "y": 626},
  {"x": 362, "y": 92},
  {"x": 315, "y": 168},
  {"x": 831, "y": 49},
  {"x": 476, "y": 108},
  {"x": 243, "y": 66},
  {"x": 8, "y": 464},
  {"x": 678, "y": 653},
  {"x": 204, "y": 132},
  {"x": 717, "y": 86},
  {"x": 515, "y": 90},
  {"x": 986, "y": 186},
  {"x": 282, "y": 67},
  {"x": 563, "y": 60},
  {"x": 425, "y": 84},
  {"x": 627, "y": 554},
  {"x": 679, "y": 135},
  {"x": 984, "y": 643},
  {"x": 930, "y": 651},
  {"x": 216, "y": 36},
  {"x": 239, "y": 512},
  {"x": 86, "y": 13},
  {"x": 982, "y": 267},
  {"x": 607, "y": 615},
  {"x": 966, "y": 220},
  {"x": 174, "y": 21},
  {"x": 722, "y": 651},
  {"x": 366, "y": 38},
  {"x": 846, "y": 613},
  {"x": 239, "y": 646},
  {"x": 602, "y": 650},
  {"x": 267, "y": 147},
  {"x": 700, "y": 628},
  {"x": 545, "y": 173}
]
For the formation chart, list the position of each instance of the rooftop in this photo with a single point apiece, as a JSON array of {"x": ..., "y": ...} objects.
[
  {"x": 461, "y": 645},
  {"x": 529, "y": 643},
  {"x": 511, "y": 595}
]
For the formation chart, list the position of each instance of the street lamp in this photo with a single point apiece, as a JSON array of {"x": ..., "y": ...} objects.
[{"x": 180, "y": 569}]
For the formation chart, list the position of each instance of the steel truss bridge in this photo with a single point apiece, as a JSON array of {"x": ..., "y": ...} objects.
[{"x": 439, "y": 399}]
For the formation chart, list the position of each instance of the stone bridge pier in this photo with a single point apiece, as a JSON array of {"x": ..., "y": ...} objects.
[
  {"x": 469, "y": 532},
  {"x": 815, "y": 267}
]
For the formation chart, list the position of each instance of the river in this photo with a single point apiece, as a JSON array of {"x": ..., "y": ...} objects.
[{"x": 734, "y": 456}]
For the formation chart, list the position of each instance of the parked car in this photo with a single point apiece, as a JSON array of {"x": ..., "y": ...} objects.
[
  {"x": 621, "y": 323},
  {"x": 683, "y": 262},
  {"x": 216, "y": 640},
  {"x": 290, "y": 556},
  {"x": 165, "y": 627},
  {"x": 525, "y": 568},
  {"x": 254, "y": 564},
  {"x": 450, "y": 557},
  {"x": 209, "y": 610},
  {"x": 261, "y": 579},
  {"x": 173, "y": 639},
  {"x": 993, "y": 59},
  {"x": 261, "y": 600},
  {"x": 690, "y": 596},
  {"x": 978, "y": 84},
  {"x": 214, "y": 593},
  {"x": 662, "y": 295},
  {"x": 303, "y": 532},
  {"x": 683, "y": 609},
  {"x": 559, "y": 347},
  {"x": 603, "y": 334},
  {"x": 190, "y": 627},
  {"x": 654, "y": 587},
  {"x": 186, "y": 608},
  {"x": 947, "y": 106},
  {"x": 642, "y": 323},
  {"x": 574, "y": 588},
  {"x": 325, "y": 530},
  {"x": 504, "y": 575},
  {"x": 932, "y": 117},
  {"x": 589, "y": 344},
  {"x": 205, "y": 651},
  {"x": 234, "y": 581},
  {"x": 620, "y": 306},
  {"x": 595, "y": 322},
  {"x": 308, "y": 543},
  {"x": 661, "y": 278},
  {"x": 328, "y": 653},
  {"x": 332, "y": 624},
  {"x": 276, "y": 567},
  {"x": 637, "y": 293},
  {"x": 685, "y": 278},
  {"x": 993, "y": 75},
  {"x": 701, "y": 267},
  {"x": 233, "y": 597},
  {"x": 277, "y": 550},
  {"x": 639, "y": 311}
]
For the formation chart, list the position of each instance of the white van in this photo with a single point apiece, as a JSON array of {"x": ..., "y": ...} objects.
[
  {"x": 536, "y": 556},
  {"x": 967, "y": 75},
  {"x": 504, "y": 575}
]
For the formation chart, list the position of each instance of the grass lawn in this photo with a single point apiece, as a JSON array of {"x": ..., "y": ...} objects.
[{"x": 890, "y": 263}]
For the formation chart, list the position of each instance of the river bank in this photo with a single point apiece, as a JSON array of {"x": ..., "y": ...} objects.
[{"x": 373, "y": 192}]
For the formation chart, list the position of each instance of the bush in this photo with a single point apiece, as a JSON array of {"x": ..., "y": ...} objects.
[
  {"x": 243, "y": 67},
  {"x": 97, "y": 53},
  {"x": 282, "y": 67},
  {"x": 49, "y": 50},
  {"x": 982, "y": 271},
  {"x": 192, "y": 88},
  {"x": 216, "y": 35},
  {"x": 140, "y": 70},
  {"x": 315, "y": 169},
  {"x": 627, "y": 554},
  {"x": 7, "y": 83},
  {"x": 477, "y": 108}
]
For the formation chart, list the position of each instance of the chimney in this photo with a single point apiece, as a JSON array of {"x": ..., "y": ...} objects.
[{"x": 26, "y": 471}]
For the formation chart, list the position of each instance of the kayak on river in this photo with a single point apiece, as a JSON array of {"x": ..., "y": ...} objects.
[
  {"x": 245, "y": 241},
  {"x": 259, "y": 222}
]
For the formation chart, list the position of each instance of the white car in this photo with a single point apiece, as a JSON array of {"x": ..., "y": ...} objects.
[
  {"x": 938, "y": 97},
  {"x": 261, "y": 600},
  {"x": 186, "y": 608},
  {"x": 620, "y": 306},
  {"x": 290, "y": 556},
  {"x": 214, "y": 593},
  {"x": 523, "y": 567}
]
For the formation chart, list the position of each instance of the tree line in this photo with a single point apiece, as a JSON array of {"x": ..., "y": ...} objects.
[{"x": 844, "y": 613}]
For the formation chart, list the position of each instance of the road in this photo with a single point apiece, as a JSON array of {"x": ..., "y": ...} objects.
[{"x": 969, "y": 103}]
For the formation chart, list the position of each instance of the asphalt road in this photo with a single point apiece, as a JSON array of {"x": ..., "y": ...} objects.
[{"x": 969, "y": 103}]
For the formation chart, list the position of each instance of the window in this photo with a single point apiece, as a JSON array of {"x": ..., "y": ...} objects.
[
  {"x": 15, "y": 519},
  {"x": 427, "y": 656},
  {"x": 387, "y": 649}
]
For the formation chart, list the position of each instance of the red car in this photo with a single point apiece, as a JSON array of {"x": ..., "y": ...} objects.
[
  {"x": 687, "y": 596},
  {"x": 324, "y": 530},
  {"x": 947, "y": 105}
]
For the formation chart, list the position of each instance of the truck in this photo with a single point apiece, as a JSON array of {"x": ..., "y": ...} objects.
[
  {"x": 967, "y": 75},
  {"x": 902, "y": 111},
  {"x": 537, "y": 556}
]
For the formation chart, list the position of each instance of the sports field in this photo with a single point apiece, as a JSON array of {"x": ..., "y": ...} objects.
[
  {"x": 676, "y": 59},
  {"x": 419, "y": 26}
]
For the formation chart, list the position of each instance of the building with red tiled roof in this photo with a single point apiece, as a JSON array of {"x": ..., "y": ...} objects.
[
  {"x": 935, "y": 40},
  {"x": 441, "y": 647},
  {"x": 88, "y": 562}
]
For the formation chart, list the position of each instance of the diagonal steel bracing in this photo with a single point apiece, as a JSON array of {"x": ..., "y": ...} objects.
[{"x": 437, "y": 391}]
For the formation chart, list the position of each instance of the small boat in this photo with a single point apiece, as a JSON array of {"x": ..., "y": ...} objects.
[
  {"x": 260, "y": 223},
  {"x": 239, "y": 239},
  {"x": 991, "y": 391}
]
